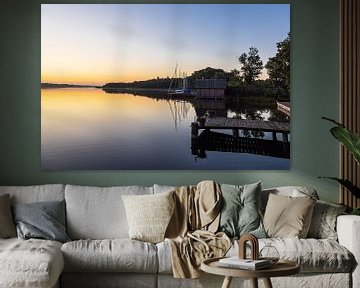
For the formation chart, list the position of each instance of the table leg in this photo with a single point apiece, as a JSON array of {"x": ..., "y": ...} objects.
[
  {"x": 267, "y": 283},
  {"x": 227, "y": 282},
  {"x": 254, "y": 282}
]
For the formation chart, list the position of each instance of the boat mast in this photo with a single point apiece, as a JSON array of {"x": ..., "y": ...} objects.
[
  {"x": 185, "y": 84},
  {"x": 174, "y": 77}
]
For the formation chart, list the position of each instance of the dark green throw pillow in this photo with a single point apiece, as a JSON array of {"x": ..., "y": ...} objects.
[
  {"x": 240, "y": 210},
  {"x": 43, "y": 220}
]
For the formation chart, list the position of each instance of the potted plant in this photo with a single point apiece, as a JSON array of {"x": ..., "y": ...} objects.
[{"x": 351, "y": 141}]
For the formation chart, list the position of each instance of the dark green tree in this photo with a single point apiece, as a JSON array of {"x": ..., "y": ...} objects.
[
  {"x": 251, "y": 65},
  {"x": 233, "y": 78},
  {"x": 278, "y": 67},
  {"x": 209, "y": 73}
]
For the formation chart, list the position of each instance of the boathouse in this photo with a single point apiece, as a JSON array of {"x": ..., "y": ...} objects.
[{"x": 210, "y": 88}]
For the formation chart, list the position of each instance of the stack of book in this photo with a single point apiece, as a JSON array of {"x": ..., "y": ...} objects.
[{"x": 248, "y": 264}]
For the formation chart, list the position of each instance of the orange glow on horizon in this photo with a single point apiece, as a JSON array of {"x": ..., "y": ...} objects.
[{"x": 98, "y": 79}]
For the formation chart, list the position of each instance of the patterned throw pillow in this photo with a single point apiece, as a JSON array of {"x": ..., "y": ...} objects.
[
  {"x": 149, "y": 215},
  {"x": 288, "y": 217},
  {"x": 240, "y": 213},
  {"x": 323, "y": 223},
  {"x": 7, "y": 226}
]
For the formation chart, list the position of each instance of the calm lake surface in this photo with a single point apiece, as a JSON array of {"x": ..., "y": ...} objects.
[{"x": 89, "y": 129}]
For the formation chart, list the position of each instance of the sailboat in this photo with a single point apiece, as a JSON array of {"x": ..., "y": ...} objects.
[{"x": 181, "y": 88}]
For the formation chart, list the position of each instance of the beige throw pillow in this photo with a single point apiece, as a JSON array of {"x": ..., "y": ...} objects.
[
  {"x": 7, "y": 226},
  {"x": 288, "y": 217},
  {"x": 149, "y": 215}
]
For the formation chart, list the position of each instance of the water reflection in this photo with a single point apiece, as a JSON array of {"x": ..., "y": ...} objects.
[
  {"x": 96, "y": 129},
  {"x": 221, "y": 142}
]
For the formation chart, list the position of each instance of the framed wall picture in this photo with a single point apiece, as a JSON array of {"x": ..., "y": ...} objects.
[{"x": 165, "y": 86}]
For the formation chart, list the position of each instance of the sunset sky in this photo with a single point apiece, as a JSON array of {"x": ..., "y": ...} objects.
[{"x": 100, "y": 43}]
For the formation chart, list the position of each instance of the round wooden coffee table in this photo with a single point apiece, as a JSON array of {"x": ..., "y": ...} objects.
[{"x": 281, "y": 268}]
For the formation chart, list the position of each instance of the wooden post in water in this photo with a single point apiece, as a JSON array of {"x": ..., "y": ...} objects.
[
  {"x": 235, "y": 132},
  {"x": 194, "y": 130},
  {"x": 285, "y": 137},
  {"x": 274, "y": 136}
]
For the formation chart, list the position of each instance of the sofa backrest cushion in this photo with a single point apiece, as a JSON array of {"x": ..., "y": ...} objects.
[
  {"x": 37, "y": 193},
  {"x": 98, "y": 212},
  {"x": 163, "y": 188}
]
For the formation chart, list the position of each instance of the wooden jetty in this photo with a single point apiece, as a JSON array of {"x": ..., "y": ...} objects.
[
  {"x": 209, "y": 123},
  {"x": 284, "y": 107}
]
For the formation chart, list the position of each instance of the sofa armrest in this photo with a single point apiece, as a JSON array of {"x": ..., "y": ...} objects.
[{"x": 348, "y": 230}]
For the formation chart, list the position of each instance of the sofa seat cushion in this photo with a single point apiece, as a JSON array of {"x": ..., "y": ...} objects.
[
  {"x": 115, "y": 255},
  {"x": 30, "y": 263},
  {"x": 313, "y": 255}
]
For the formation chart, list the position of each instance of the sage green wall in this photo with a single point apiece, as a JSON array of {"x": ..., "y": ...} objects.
[{"x": 314, "y": 92}]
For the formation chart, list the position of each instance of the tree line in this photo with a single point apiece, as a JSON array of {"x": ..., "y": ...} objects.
[{"x": 243, "y": 82}]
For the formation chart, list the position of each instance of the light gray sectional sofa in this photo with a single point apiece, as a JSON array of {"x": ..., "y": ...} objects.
[{"x": 101, "y": 254}]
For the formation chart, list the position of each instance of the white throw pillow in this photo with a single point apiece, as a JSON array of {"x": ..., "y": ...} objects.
[{"x": 149, "y": 215}]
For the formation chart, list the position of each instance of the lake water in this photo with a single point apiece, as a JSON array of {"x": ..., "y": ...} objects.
[{"x": 89, "y": 129}]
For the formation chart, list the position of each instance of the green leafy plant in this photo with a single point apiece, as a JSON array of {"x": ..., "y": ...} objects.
[{"x": 351, "y": 141}]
